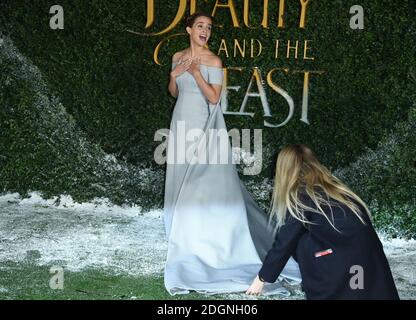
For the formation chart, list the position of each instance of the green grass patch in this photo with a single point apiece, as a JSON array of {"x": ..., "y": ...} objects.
[{"x": 28, "y": 281}]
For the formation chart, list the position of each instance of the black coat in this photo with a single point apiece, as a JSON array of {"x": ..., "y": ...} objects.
[{"x": 327, "y": 275}]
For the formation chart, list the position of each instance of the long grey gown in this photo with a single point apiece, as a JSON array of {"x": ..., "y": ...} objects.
[{"x": 217, "y": 235}]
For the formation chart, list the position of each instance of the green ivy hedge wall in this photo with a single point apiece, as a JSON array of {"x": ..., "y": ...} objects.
[{"x": 79, "y": 107}]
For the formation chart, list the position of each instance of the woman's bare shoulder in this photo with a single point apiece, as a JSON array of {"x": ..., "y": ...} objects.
[
  {"x": 208, "y": 58},
  {"x": 177, "y": 56},
  {"x": 213, "y": 60}
]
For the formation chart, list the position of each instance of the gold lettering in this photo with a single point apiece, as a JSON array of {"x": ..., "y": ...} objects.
[
  {"x": 305, "y": 94},
  {"x": 304, "y": 4},
  {"x": 265, "y": 21},
  {"x": 231, "y": 6},
  {"x": 192, "y": 8},
  {"x": 237, "y": 45},
  {"x": 150, "y": 17},
  {"x": 150, "y": 13},
  {"x": 252, "y": 47},
  {"x": 284, "y": 94},
  {"x": 223, "y": 47},
  {"x": 256, "y": 76},
  {"x": 281, "y": 13},
  {"x": 276, "y": 53},
  {"x": 305, "y": 49},
  {"x": 159, "y": 45},
  {"x": 227, "y": 88},
  {"x": 289, "y": 47}
]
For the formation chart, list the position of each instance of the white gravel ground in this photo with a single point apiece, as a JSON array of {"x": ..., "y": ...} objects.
[{"x": 120, "y": 240}]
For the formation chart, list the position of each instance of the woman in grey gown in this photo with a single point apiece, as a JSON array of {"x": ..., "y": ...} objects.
[{"x": 217, "y": 235}]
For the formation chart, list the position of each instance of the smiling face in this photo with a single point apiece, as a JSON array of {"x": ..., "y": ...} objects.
[{"x": 200, "y": 31}]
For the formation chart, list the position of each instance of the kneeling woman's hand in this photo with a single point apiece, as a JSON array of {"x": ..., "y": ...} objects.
[{"x": 256, "y": 287}]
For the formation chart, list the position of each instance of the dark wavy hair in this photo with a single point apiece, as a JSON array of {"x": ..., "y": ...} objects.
[{"x": 191, "y": 19}]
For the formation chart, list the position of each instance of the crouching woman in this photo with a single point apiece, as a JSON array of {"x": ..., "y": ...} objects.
[{"x": 327, "y": 229}]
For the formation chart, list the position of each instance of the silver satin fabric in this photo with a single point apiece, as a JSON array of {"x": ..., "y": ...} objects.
[{"x": 217, "y": 235}]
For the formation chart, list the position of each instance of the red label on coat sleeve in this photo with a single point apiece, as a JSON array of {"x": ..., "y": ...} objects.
[{"x": 323, "y": 253}]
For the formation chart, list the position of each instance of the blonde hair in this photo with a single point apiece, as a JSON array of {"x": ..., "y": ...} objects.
[{"x": 298, "y": 170}]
